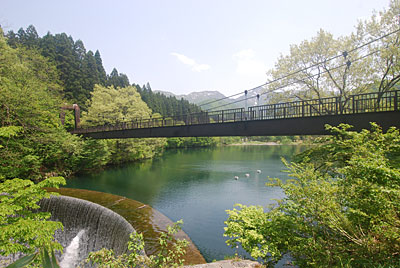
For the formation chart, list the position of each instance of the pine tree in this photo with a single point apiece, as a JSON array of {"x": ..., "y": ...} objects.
[
  {"x": 31, "y": 37},
  {"x": 102, "y": 76},
  {"x": 118, "y": 80},
  {"x": 90, "y": 73}
]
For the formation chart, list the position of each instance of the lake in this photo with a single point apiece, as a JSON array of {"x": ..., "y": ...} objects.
[{"x": 198, "y": 186}]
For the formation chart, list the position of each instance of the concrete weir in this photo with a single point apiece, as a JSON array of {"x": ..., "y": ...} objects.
[
  {"x": 88, "y": 227},
  {"x": 95, "y": 226}
]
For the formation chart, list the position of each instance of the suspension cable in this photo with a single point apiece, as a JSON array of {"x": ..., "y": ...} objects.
[{"x": 344, "y": 54}]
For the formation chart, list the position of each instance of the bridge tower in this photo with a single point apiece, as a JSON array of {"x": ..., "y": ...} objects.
[{"x": 77, "y": 114}]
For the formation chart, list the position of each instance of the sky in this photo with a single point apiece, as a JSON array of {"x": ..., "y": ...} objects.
[{"x": 185, "y": 46}]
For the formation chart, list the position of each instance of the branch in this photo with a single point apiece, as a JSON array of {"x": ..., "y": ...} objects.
[
  {"x": 333, "y": 80},
  {"x": 344, "y": 79}
]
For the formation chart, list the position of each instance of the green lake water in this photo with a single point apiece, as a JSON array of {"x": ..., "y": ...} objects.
[{"x": 198, "y": 186}]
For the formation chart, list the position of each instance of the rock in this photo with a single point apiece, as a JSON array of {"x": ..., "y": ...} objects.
[{"x": 227, "y": 264}]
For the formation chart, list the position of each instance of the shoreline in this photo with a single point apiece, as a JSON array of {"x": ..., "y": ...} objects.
[{"x": 270, "y": 143}]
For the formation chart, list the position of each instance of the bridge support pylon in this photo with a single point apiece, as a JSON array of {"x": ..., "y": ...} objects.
[{"x": 77, "y": 114}]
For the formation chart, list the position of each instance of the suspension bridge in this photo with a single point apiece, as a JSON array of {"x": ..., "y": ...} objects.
[
  {"x": 303, "y": 117},
  {"x": 306, "y": 117}
]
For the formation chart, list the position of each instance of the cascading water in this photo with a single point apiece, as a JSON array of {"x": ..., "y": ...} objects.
[
  {"x": 71, "y": 255},
  {"x": 87, "y": 227}
]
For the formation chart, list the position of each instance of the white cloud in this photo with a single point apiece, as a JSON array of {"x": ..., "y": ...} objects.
[
  {"x": 248, "y": 65},
  {"x": 191, "y": 62}
]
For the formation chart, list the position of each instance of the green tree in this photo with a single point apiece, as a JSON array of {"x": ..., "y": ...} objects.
[
  {"x": 21, "y": 228},
  {"x": 192, "y": 142},
  {"x": 112, "y": 106},
  {"x": 326, "y": 79},
  {"x": 171, "y": 106},
  {"x": 79, "y": 69},
  {"x": 32, "y": 142},
  {"x": 166, "y": 106},
  {"x": 368, "y": 62},
  {"x": 117, "y": 80},
  {"x": 90, "y": 71},
  {"x": 341, "y": 207},
  {"x": 102, "y": 76},
  {"x": 386, "y": 63},
  {"x": 29, "y": 104}
]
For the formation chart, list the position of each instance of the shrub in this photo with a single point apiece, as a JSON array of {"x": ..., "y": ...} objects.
[{"x": 342, "y": 205}]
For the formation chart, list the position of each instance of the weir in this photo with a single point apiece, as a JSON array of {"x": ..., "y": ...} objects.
[
  {"x": 88, "y": 227},
  {"x": 102, "y": 227}
]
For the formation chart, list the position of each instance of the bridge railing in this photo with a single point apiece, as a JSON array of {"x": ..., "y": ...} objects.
[{"x": 361, "y": 103}]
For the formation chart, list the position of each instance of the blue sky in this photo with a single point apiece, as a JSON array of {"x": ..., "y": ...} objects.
[{"x": 184, "y": 46}]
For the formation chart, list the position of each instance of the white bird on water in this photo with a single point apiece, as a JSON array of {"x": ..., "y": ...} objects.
[
  {"x": 258, "y": 171},
  {"x": 247, "y": 175},
  {"x": 236, "y": 177}
]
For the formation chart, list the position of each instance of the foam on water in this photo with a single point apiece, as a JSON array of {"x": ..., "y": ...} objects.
[
  {"x": 71, "y": 256},
  {"x": 87, "y": 227}
]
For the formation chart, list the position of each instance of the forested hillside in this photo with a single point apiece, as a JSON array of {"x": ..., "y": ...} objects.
[
  {"x": 80, "y": 70},
  {"x": 165, "y": 105},
  {"x": 32, "y": 142},
  {"x": 206, "y": 99},
  {"x": 38, "y": 75}
]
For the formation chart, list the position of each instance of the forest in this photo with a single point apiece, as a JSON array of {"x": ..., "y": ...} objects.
[
  {"x": 41, "y": 74},
  {"x": 341, "y": 205}
]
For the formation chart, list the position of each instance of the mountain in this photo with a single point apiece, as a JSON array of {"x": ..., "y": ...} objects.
[
  {"x": 204, "y": 97},
  {"x": 252, "y": 98},
  {"x": 215, "y": 100}
]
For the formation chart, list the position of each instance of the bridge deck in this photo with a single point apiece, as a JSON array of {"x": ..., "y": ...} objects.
[{"x": 292, "y": 118}]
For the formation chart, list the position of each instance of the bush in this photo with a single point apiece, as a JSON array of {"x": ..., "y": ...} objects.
[
  {"x": 342, "y": 207},
  {"x": 167, "y": 257},
  {"x": 21, "y": 228}
]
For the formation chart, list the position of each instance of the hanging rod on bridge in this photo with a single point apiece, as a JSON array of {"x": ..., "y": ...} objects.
[
  {"x": 342, "y": 54},
  {"x": 295, "y": 82},
  {"x": 372, "y": 103}
]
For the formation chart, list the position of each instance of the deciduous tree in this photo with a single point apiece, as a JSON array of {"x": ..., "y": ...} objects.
[
  {"x": 111, "y": 106},
  {"x": 364, "y": 61}
]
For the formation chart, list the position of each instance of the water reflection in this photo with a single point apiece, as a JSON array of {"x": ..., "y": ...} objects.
[{"x": 198, "y": 186}]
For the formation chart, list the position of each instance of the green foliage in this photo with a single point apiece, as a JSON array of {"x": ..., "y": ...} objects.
[
  {"x": 117, "y": 80},
  {"x": 229, "y": 140},
  {"x": 334, "y": 152},
  {"x": 109, "y": 105},
  {"x": 48, "y": 259},
  {"x": 341, "y": 76},
  {"x": 32, "y": 142},
  {"x": 171, "y": 106},
  {"x": 191, "y": 142},
  {"x": 385, "y": 65},
  {"x": 24, "y": 261},
  {"x": 44, "y": 257},
  {"x": 28, "y": 101},
  {"x": 79, "y": 69},
  {"x": 21, "y": 228},
  {"x": 341, "y": 208},
  {"x": 168, "y": 256},
  {"x": 10, "y": 131},
  {"x": 277, "y": 139},
  {"x": 166, "y": 106}
]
